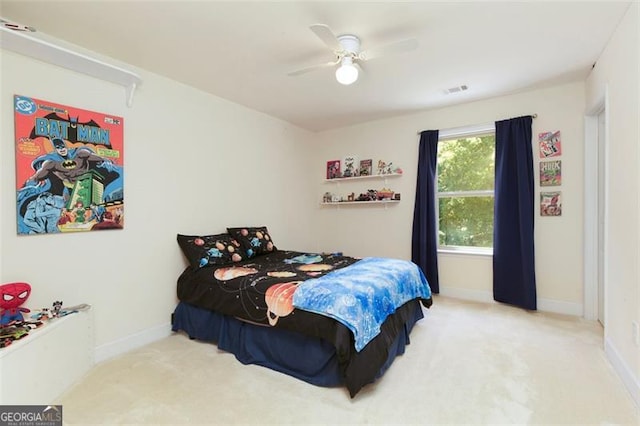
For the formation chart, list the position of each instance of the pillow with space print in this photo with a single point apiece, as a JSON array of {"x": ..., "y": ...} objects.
[
  {"x": 208, "y": 250},
  {"x": 255, "y": 240}
]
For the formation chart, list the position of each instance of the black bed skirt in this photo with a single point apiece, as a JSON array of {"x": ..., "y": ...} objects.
[{"x": 307, "y": 358}]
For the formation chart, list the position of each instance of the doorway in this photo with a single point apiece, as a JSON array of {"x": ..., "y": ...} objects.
[
  {"x": 595, "y": 238},
  {"x": 600, "y": 244}
]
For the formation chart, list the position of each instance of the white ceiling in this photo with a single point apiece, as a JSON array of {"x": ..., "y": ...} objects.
[{"x": 242, "y": 51}]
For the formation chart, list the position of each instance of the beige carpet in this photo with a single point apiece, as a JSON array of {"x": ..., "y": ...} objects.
[{"x": 468, "y": 363}]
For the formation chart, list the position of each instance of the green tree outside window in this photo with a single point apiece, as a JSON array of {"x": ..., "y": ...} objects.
[{"x": 466, "y": 172}]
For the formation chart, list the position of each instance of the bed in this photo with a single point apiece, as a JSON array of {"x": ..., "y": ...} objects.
[{"x": 327, "y": 319}]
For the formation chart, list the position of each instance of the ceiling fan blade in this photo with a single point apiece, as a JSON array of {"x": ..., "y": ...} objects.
[
  {"x": 393, "y": 48},
  {"x": 312, "y": 68},
  {"x": 325, "y": 34}
]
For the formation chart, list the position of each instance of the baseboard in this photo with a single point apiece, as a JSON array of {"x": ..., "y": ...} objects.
[
  {"x": 466, "y": 294},
  {"x": 630, "y": 381},
  {"x": 560, "y": 307},
  {"x": 544, "y": 305},
  {"x": 134, "y": 341}
]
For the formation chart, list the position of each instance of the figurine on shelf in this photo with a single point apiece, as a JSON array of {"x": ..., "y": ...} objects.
[
  {"x": 349, "y": 167},
  {"x": 349, "y": 171},
  {"x": 385, "y": 168},
  {"x": 385, "y": 193},
  {"x": 57, "y": 306},
  {"x": 370, "y": 195},
  {"x": 13, "y": 295}
]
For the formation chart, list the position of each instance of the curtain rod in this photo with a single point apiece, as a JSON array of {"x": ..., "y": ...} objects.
[{"x": 535, "y": 115}]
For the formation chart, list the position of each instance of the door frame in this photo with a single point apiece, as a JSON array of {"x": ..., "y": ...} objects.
[{"x": 591, "y": 173}]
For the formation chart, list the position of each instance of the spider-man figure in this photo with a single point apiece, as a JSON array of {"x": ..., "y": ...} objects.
[{"x": 12, "y": 296}]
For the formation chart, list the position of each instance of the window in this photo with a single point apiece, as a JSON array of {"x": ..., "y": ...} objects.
[{"x": 466, "y": 173}]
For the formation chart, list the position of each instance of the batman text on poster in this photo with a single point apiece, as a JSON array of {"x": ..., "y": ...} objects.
[{"x": 70, "y": 128}]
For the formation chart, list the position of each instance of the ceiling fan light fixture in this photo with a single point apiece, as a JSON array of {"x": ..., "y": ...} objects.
[{"x": 347, "y": 73}]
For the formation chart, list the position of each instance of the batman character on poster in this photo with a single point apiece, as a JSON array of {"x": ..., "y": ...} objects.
[{"x": 69, "y": 168}]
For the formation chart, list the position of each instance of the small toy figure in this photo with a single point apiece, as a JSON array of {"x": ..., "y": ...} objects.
[
  {"x": 43, "y": 315},
  {"x": 388, "y": 169},
  {"x": 385, "y": 168},
  {"x": 370, "y": 195},
  {"x": 12, "y": 295},
  {"x": 57, "y": 305}
]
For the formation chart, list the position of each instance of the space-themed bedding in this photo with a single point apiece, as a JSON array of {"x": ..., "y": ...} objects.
[
  {"x": 258, "y": 290},
  {"x": 377, "y": 305},
  {"x": 263, "y": 290}
]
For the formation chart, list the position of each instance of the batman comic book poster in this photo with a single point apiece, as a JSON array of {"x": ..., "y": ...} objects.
[{"x": 69, "y": 168}]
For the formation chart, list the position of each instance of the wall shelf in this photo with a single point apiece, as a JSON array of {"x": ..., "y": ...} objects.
[
  {"x": 343, "y": 179},
  {"x": 338, "y": 181},
  {"x": 29, "y": 44},
  {"x": 340, "y": 203}
]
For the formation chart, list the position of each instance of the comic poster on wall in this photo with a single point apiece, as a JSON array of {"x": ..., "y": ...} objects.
[
  {"x": 551, "y": 173},
  {"x": 69, "y": 168},
  {"x": 550, "y": 144},
  {"x": 551, "y": 203}
]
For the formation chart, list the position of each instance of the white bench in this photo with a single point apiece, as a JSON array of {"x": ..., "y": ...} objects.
[{"x": 38, "y": 368}]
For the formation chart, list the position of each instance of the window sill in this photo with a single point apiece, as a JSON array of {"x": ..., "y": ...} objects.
[{"x": 467, "y": 251}]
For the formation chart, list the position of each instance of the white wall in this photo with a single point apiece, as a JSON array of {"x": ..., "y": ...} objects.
[
  {"x": 615, "y": 80},
  {"x": 194, "y": 163},
  {"x": 366, "y": 231}
]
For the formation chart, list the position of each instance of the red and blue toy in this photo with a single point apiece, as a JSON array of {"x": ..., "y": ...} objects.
[{"x": 12, "y": 295}]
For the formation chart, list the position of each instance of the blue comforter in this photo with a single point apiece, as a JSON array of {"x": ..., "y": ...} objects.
[{"x": 362, "y": 295}]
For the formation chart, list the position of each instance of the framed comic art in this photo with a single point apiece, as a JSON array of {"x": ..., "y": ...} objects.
[
  {"x": 550, "y": 144},
  {"x": 366, "y": 167},
  {"x": 333, "y": 169},
  {"x": 69, "y": 168},
  {"x": 551, "y": 203},
  {"x": 551, "y": 173}
]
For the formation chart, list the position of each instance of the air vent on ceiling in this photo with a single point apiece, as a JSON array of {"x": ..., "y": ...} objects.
[{"x": 455, "y": 89}]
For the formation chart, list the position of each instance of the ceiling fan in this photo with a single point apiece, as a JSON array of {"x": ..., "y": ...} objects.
[{"x": 346, "y": 49}]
